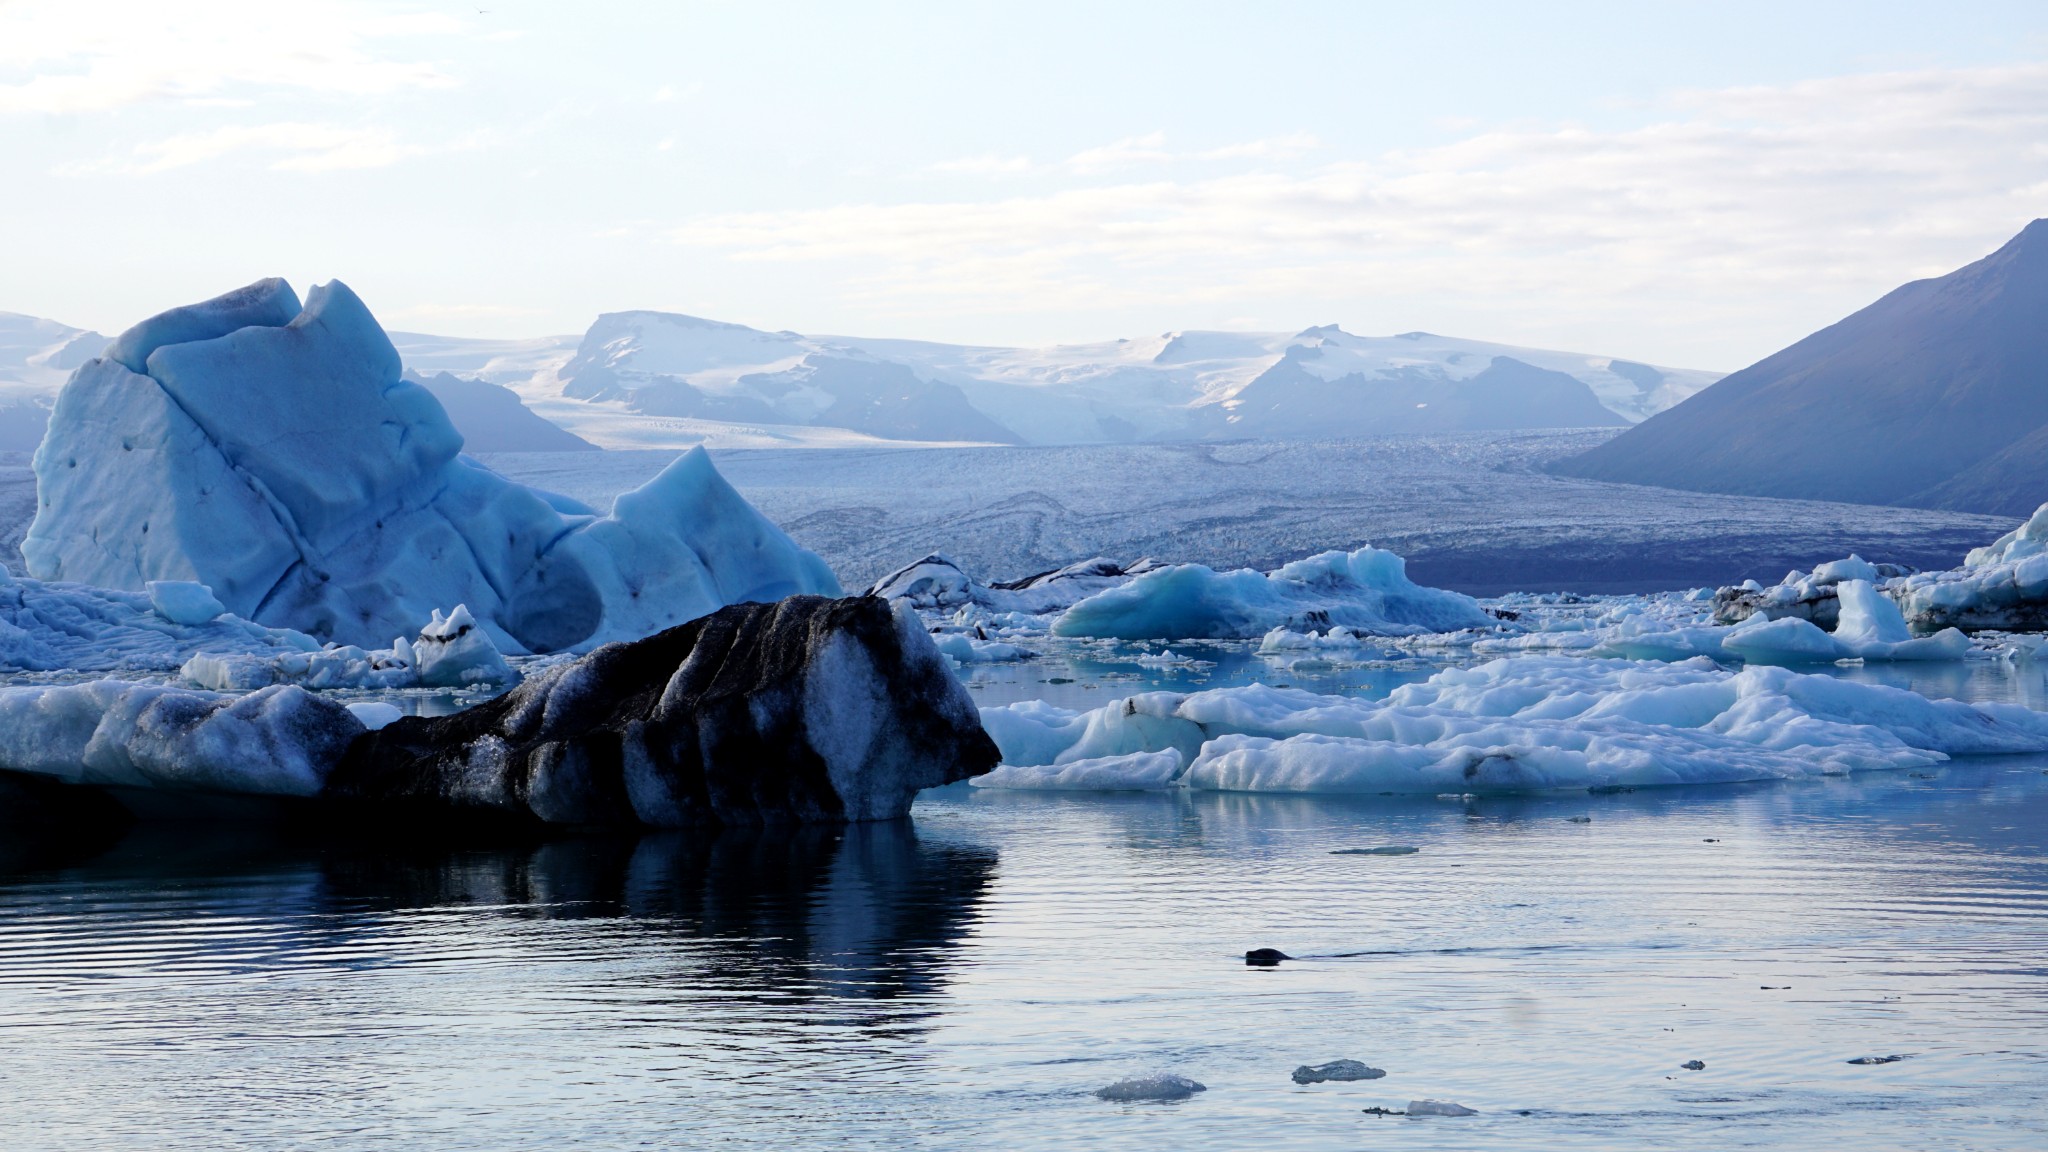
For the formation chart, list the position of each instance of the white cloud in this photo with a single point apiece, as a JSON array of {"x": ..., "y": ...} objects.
[
  {"x": 70, "y": 56},
  {"x": 1147, "y": 149},
  {"x": 1131, "y": 151},
  {"x": 991, "y": 164},
  {"x": 299, "y": 148},
  {"x": 1825, "y": 183}
]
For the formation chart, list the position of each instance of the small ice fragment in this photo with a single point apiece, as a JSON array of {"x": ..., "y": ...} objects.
[
  {"x": 1694, "y": 1065},
  {"x": 1162, "y": 1086},
  {"x": 375, "y": 714},
  {"x": 1439, "y": 1108},
  {"x": 1265, "y": 957},
  {"x": 1877, "y": 1059},
  {"x": 1338, "y": 1070},
  {"x": 1382, "y": 850},
  {"x": 186, "y": 602}
]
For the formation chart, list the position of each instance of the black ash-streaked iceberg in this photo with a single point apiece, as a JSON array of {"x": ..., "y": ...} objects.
[
  {"x": 806, "y": 710},
  {"x": 274, "y": 453}
]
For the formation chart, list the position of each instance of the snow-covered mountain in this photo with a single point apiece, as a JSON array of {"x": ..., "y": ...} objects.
[
  {"x": 646, "y": 379},
  {"x": 1177, "y": 386},
  {"x": 35, "y": 357}
]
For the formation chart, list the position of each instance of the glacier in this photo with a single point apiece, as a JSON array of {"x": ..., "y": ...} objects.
[
  {"x": 1523, "y": 724},
  {"x": 273, "y": 452}
]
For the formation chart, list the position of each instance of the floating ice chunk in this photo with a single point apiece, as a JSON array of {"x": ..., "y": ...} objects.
[
  {"x": 453, "y": 652},
  {"x": 1337, "y": 638},
  {"x": 1367, "y": 590},
  {"x": 1168, "y": 658},
  {"x": 970, "y": 650},
  {"x": 1872, "y": 627},
  {"x": 1439, "y": 1108},
  {"x": 1524, "y": 724},
  {"x": 1786, "y": 640},
  {"x": 2001, "y": 586},
  {"x": 936, "y": 583},
  {"x": 1341, "y": 1071},
  {"x": 1135, "y": 772},
  {"x": 1163, "y": 1086},
  {"x": 280, "y": 741},
  {"x": 1837, "y": 571},
  {"x": 185, "y": 601}
]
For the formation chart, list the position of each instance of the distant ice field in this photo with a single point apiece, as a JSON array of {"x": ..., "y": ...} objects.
[{"x": 1470, "y": 511}]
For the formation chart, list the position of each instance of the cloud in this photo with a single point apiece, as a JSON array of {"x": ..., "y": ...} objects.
[
  {"x": 75, "y": 56},
  {"x": 299, "y": 148},
  {"x": 990, "y": 164},
  {"x": 1813, "y": 185},
  {"x": 1147, "y": 149},
  {"x": 1131, "y": 151}
]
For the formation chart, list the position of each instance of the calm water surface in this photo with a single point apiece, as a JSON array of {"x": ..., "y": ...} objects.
[{"x": 966, "y": 979}]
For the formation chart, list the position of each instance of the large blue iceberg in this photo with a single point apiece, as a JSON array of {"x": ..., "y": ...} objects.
[{"x": 274, "y": 453}]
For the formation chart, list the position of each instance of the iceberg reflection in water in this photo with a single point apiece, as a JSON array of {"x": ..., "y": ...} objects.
[{"x": 970, "y": 978}]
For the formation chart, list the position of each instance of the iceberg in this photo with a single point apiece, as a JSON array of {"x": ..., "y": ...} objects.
[
  {"x": 937, "y": 583},
  {"x": 2003, "y": 585},
  {"x": 1807, "y": 596},
  {"x": 1523, "y": 724},
  {"x": 808, "y": 710},
  {"x": 275, "y": 453},
  {"x": 1367, "y": 591}
]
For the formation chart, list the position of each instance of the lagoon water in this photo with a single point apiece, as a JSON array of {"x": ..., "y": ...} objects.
[{"x": 968, "y": 978}]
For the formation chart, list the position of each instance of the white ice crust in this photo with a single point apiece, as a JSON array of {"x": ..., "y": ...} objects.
[
  {"x": 47, "y": 626},
  {"x": 274, "y": 454},
  {"x": 1526, "y": 724},
  {"x": 1366, "y": 591}
]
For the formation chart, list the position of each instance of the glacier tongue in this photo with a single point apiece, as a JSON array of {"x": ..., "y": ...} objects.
[{"x": 276, "y": 455}]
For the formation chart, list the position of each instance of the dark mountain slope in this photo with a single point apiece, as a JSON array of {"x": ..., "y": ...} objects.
[{"x": 1893, "y": 405}]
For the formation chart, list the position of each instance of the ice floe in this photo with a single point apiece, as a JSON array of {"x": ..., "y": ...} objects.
[
  {"x": 1366, "y": 591},
  {"x": 1530, "y": 723}
]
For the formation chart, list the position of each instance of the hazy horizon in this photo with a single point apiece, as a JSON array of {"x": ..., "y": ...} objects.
[{"x": 1691, "y": 186}]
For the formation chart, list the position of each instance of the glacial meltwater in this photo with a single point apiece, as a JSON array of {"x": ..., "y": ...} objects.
[{"x": 972, "y": 978}]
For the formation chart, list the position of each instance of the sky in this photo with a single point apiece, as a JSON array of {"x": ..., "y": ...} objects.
[{"x": 1694, "y": 185}]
